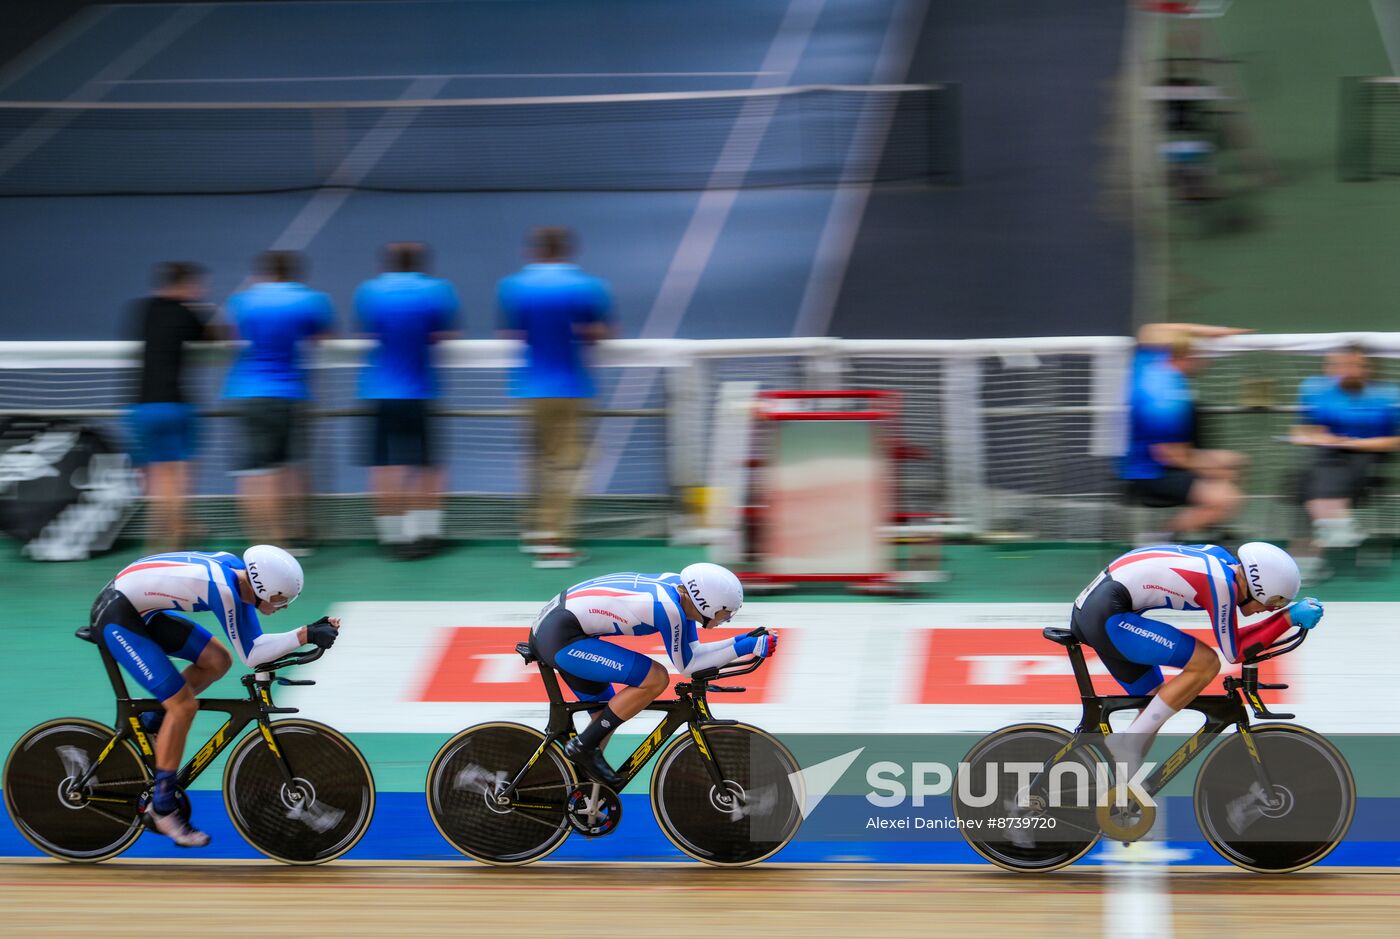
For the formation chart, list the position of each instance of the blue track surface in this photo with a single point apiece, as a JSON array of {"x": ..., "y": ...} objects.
[{"x": 402, "y": 831}]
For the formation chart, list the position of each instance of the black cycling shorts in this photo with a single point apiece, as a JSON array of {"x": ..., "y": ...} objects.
[
  {"x": 400, "y": 436},
  {"x": 558, "y": 630},
  {"x": 1109, "y": 598},
  {"x": 274, "y": 432},
  {"x": 1339, "y": 474},
  {"x": 1167, "y": 491},
  {"x": 141, "y": 644}
]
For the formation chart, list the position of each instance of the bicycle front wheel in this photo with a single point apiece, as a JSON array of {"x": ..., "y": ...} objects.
[
  {"x": 1299, "y": 823},
  {"x": 750, "y": 818},
  {"x": 1048, "y": 826},
  {"x": 462, "y": 784},
  {"x": 94, "y": 823},
  {"x": 321, "y": 815}
]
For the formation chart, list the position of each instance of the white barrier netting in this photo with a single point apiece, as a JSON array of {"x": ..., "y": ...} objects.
[{"x": 1012, "y": 438}]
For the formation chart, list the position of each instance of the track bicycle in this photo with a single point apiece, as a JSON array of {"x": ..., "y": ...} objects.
[
  {"x": 298, "y": 791},
  {"x": 725, "y": 793},
  {"x": 1270, "y": 798}
]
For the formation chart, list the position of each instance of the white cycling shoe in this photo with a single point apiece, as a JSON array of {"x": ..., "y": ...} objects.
[{"x": 178, "y": 830}]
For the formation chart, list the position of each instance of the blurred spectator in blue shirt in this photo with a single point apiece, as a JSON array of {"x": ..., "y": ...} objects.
[
  {"x": 1351, "y": 423},
  {"x": 557, "y": 310},
  {"x": 269, "y": 386},
  {"x": 1165, "y": 465},
  {"x": 406, "y": 311},
  {"x": 163, "y": 422}
]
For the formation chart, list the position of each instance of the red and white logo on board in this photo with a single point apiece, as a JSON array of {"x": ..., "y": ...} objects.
[
  {"x": 475, "y": 664},
  {"x": 1020, "y": 666}
]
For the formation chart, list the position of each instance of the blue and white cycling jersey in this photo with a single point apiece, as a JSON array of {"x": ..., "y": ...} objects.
[
  {"x": 632, "y": 604},
  {"x": 1180, "y": 577},
  {"x": 196, "y": 582}
]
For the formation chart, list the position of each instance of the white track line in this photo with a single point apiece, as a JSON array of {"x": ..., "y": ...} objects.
[
  {"x": 293, "y": 79},
  {"x": 52, "y": 43},
  {"x": 318, "y": 211},
  {"x": 706, "y": 223},
  {"x": 838, "y": 238},
  {"x": 136, "y": 56},
  {"x": 763, "y": 92}
]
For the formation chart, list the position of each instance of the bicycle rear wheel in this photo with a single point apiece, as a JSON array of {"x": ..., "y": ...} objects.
[
  {"x": 751, "y": 818},
  {"x": 93, "y": 824},
  {"x": 1040, "y": 836},
  {"x": 1297, "y": 825},
  {"x": 317, "y": 819},
  {"x": 462, "y": 783}
]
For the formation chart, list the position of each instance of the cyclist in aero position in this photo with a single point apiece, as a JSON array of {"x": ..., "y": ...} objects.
[
  {"x": 572, "y": 631},
  {"x": 1107, "y": 616},
  {"x": 139, "y": 617}
]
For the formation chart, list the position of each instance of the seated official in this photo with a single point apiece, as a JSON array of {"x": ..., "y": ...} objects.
[{"x": 1351, "y": 424}]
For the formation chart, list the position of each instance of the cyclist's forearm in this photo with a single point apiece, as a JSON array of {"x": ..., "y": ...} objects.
[
  {"x": 708, "y": 655},
  {"x": 1265, "y": 631},
  {"x": 271, "y": 646}
]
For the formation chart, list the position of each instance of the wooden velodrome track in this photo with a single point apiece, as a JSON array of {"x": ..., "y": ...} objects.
[{"x": 47, "y": 898}]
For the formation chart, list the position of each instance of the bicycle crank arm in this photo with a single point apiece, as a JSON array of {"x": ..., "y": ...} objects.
[
  {"x": 724, "y": 688},
  {"x": 295, "y": 681},
  {"x": 281, "y": 710}
]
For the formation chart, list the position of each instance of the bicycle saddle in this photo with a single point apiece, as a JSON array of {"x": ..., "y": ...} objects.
[
  {"x": 524, "y": 649},
  {"x": 1062, "y": 636},
  {"x": 87, "y": 634}
]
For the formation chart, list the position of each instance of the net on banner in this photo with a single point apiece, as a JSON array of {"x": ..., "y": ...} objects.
[{"x": 795, "y": 136}]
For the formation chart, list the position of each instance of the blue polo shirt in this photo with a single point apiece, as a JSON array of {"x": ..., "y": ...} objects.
[
  {"x": 403, "y": 310},
  {"x": 274, "y": 319},
  {"x": 546, "y": 302},
  {"x": 1374, "y": 411},
  {"x": 1161, "y": 409}
]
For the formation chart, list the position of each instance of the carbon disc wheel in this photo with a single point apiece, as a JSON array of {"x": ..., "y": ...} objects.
[
  {"x": 750, "y": 817},
  {"x": 93, "y": 823},
  {"x": 322, "y": 813},
  {"x": 1305, "y": 817},
  {"x": 468, "y": 772},
  {"x": 1036, "y": 836}
]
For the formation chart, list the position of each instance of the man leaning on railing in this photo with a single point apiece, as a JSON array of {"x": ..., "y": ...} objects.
[{"x": 1166, "y": 466}]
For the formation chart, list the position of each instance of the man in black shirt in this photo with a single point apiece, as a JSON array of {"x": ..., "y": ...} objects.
[{"x": 163, "y": 422}]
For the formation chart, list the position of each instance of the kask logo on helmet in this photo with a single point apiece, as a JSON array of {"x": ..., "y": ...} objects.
[
  {"x": 1256, "y": 579},
  {"x": 694, "y": 589}
]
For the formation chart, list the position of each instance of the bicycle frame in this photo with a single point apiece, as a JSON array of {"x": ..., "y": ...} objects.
[
  {"x": 1220, "y": 712},
  {"x": 256, "y": 708},
  {"x": 690, "y": 708}
]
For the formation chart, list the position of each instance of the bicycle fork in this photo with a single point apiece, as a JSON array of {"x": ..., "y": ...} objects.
[
  {"x": 1263, "y": 787},
  {"x": 265, "y": 710}
]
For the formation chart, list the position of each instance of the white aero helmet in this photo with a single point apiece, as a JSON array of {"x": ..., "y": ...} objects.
[
  {"x": 273, "y": 573},
  {"x": 1270, "y": 571},
  {"x": 712, "y": 588}
]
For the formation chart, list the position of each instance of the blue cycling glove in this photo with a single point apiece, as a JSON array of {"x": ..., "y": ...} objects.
[
  {"x": 1305, "y": 613},
  {"x": 761, "y": 646}
]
